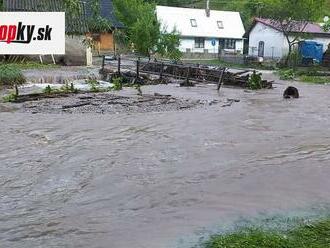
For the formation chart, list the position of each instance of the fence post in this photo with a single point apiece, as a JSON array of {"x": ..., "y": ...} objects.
[
  {"x": 187, "y": 76},
  {"x": 119, "y": 64},
  {"x": 103, "y": 62},
  {"x": 161, "y": 71},
  {"x": 222, "y": 73},
  {"x": 138, "y": 69}
]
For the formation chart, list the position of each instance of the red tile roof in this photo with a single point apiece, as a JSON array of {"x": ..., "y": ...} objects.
[{"x": 311, "y": 28}]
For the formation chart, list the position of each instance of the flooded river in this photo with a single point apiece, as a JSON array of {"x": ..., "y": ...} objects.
[{"x": 151, "y": 179}]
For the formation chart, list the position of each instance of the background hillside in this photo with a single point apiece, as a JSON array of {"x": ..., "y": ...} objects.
[{"x": 247, "y": 8}]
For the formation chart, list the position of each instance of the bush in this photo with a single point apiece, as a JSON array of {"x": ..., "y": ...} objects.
[
  {"x": 11, "y": 75},
  {"x": 117, "y": 83},
  {"x": 289, "y": 74},
  {"x": 255, "y": 81}
]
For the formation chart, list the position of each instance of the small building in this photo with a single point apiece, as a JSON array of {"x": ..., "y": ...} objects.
[
  {"x": 204, "y": 31},
  {"x": 76, "y": 53},
  {"x": 267, "y": 40},
  {"x": 105, "y": 41}
]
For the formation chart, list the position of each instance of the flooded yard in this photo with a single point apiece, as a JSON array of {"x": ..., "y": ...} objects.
[{"x": 164, "y": 178}]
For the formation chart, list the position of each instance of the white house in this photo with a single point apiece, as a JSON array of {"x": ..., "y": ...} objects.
[
  {"x": 203, "y": 30},
  {"x": 267, "y": 40}
]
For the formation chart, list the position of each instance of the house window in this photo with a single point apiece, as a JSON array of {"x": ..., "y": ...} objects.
[
  {"x": 230, "y": 44},
  {"x": 199, "y": 42},
  {"x": 220, "y": 24},
  {"x": 193, "y": 23}
]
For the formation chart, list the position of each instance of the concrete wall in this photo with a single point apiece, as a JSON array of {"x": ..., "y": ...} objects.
[
  {"x": 189, "y": 43},
  {"x": 76, "y": 53}
]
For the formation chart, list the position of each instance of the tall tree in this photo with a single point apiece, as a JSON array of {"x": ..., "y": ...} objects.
[
  {"x": 143, "y": 29},
  {"x": 291, "y": 17}
]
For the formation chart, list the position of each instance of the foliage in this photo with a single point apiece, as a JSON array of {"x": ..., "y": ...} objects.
[
  {"x": 255, "y": 81},
  {"x": 247, "y": 8},
  {"x": 10, "y": 97},
  {"x": 68, "y": 88},
  {"x": 117, "y": 83},
  {"x": 97, "y": 23},
  {"x": 168, "y": 45},
  {"x": 48, "y": 90},
  {"x": 308, "y": 75},
  {"x": 292, "y": 17},
  {"x": 11, "y": 75},
  {"x": 143, "y": 29},
  {"x": 94, "y": 85},
  {"x": 311, "y": 235},
  {"x": 314, "y": 79},
  {"x": 287, "y": 74},
  {"x": 326, "y": 26},
  {"x": 26, "y": 65}
]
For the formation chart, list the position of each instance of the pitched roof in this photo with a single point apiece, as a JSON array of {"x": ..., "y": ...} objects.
[
  {"x": 310, "y": 28},
  {"x": 74, "y": 24},
  {"x": 180, "y": 18},
  {"x": 107, "y": 11}
]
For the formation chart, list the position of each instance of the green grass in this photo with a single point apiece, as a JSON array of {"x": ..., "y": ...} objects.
[
  {"x": 313, "y": 235},
  {"x": 314, "y": 79},
  {"x": 313, "y": 75},
  {"x": 30, "y": 65},
  {"x": 10, "y": 75}
]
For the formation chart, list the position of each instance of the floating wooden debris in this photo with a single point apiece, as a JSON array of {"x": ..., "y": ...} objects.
[{"x": 154, "y": 72}]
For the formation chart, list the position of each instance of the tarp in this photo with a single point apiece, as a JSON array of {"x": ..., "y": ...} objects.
[{"x": 311, "y": 50}]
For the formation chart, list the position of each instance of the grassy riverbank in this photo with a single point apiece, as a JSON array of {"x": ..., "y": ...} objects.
[{"x": 308, "y": 235}]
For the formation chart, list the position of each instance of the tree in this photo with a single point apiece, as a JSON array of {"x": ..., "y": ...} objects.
[
  {"x": 168, "y": 45},
  {"x": 97, "y": 23},
  {"x": 291, "y": 17},
  {"x": 143, "y": 29},
  {"x": 326, "y": 26}
]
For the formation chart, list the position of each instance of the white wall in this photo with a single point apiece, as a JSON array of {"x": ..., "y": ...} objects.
[
  {"x": 324, "y": 41},
  {"x": 189, "y": 43},
  {"x": 276, "y": 45}
]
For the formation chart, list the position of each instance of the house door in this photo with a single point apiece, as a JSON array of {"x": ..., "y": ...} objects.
[{"x": 261, "y": 49}]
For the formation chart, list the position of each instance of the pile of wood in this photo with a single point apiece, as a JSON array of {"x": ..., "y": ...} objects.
[
  {"x": 153, "y": 72},
  {"x": 202, "y": 74}
]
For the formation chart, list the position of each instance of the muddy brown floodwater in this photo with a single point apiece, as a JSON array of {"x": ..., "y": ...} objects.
[{"x": 145, "y": 180}]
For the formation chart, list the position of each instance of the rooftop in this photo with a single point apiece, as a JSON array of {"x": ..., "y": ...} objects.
[
  {"x": 310, "y": 28},
  {"x": 195, "y": 23},
  {"x": 76, "y": 24}
]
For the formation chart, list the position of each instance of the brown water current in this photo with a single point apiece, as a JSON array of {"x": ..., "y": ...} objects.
[{"x": 143, "y": 180}]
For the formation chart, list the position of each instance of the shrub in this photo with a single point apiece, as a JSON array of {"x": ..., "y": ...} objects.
[
  {"x": 48, "y": 90},
  {"x": 289, "y": 74},
  {"x": 94, "y": 85},
  {"x": 117, "y": 83},
  {"x": 10, "y": 97},
  {"x": 255, "y": 81},
  {"x": 66, "y": 88},
  {"x": 11, "y": 75}
]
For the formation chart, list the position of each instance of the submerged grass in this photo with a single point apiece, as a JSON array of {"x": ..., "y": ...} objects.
[{"x": 311, "y": 235}]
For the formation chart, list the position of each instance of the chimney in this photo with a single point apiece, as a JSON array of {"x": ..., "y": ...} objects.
[{"x": 207, "y": 10}]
